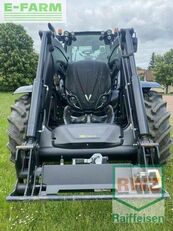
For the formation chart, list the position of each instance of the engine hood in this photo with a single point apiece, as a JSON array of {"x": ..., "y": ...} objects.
[{"x": 88, "y": 81}]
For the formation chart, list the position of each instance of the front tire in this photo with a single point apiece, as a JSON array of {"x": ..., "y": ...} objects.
[
  {"x": 18, "y": 121},
  {"x": 158, "y": 121}
]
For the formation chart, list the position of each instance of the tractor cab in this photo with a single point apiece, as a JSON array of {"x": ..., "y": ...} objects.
[
  {"x": 88, "y": 46},
  {"x": 90, "y": 85}
]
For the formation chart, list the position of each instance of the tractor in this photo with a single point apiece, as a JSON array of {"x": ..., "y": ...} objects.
[{"x": 86, "y": 111}]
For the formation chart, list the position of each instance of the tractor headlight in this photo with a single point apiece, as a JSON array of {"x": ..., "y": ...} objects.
[
  {"x": 66, "y": 33},
  {"x": 109, "y": 32},
  {"x": 73, "y": 101},
  {"x": 102, "y": 101}
]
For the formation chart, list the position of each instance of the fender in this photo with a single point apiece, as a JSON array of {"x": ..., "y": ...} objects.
[
  {"x": 145, "y": 84},
  {"x": 24, "y": 89}
]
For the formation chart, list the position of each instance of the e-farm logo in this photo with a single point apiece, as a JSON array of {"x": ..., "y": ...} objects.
[{"x": 33, "y": 11}]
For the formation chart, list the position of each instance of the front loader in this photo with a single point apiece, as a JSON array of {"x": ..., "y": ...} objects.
[{"x": 85, "y": 112}]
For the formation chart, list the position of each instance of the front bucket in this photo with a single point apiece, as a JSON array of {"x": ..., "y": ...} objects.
[{"x": 77, "y": 182}]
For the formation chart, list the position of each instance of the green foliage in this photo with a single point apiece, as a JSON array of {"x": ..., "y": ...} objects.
[
  {"x": 152, "y": 62},
  {"x": 18, "y": 61},
  {"x": 163, "y": 68}
]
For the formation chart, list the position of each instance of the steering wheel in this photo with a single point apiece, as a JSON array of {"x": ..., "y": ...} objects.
[{"x": 87, "y": 54}]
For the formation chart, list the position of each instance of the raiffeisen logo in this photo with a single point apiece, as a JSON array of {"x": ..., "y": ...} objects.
[
  {"x": 138, "y": 194},
  {"x": 33, "y": 11},
  {"x": 142, "y": 182}
]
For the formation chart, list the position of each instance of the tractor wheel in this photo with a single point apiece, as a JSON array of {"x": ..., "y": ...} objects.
[
  {"x": 18, "y": 121},
  {"x": 158, "y": 121}
]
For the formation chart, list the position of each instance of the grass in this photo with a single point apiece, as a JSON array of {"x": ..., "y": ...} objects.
[{"x": 43, "y": 216}]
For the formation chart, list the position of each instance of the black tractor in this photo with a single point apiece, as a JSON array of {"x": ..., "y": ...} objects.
[{"x": 86, "y": 111}]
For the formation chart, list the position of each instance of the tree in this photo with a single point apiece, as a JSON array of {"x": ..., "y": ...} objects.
[
  {"x": 141, "y": 73},
  {"x": 152, "y": 62},
  {"x": 163, "y": 69},
  {"x": 18, "y": 61}
]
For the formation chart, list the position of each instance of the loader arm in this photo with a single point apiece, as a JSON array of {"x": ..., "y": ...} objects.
[
  {"x": 124, "y": 47},
  {"x": 41, "y": 86}
]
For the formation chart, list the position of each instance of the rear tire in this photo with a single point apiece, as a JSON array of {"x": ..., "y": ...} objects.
[
  {"x": 158, "y": 121},
  {"x": 18, "y": 121}
]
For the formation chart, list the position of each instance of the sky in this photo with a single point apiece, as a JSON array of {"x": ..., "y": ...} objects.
[{"x": 151, "y": 19}]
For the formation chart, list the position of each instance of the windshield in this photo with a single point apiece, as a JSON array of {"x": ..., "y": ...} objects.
[{"x": 88, "y": 47}]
